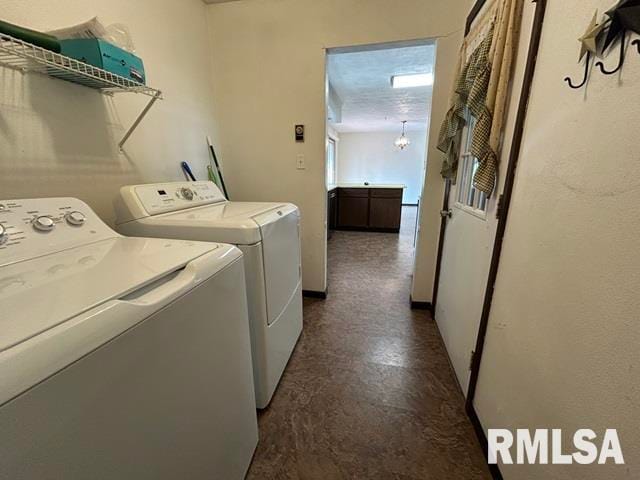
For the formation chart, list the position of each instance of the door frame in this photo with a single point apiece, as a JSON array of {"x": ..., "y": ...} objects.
[
  {"x": 504, "y": 203},
  {"x": 443, "y": 228}
]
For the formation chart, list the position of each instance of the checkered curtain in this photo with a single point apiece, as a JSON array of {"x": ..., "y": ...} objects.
[
  {"x": 470, "y": 93},
  {"x": 482, "y": 87}
]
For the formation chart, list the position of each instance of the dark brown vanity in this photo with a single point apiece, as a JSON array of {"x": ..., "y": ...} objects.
[{"x": 376, "y": 208}]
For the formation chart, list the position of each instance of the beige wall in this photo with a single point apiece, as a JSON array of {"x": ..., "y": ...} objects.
[
  {"x": 268, "y": 75},
  {"x": 59, "y": 139},
  {"x": 562, "y": 343}
]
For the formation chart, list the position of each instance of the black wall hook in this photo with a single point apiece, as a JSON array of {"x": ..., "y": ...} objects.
[
  {"x": 600, "y": 65},
  {"x": 586, "y": 74},
  {"x": 637, "y": 44}
]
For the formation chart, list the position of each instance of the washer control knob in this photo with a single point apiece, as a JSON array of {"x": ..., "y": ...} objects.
[
  {"x": 186, "y": 193},
  {"x": 4, "y": 236},
  {"x": 43, "y": 223},
  {"x": 75, "y": 218}
]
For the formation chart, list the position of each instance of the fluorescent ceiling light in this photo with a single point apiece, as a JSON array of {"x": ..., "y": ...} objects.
[{"x": 413, "y": 80}]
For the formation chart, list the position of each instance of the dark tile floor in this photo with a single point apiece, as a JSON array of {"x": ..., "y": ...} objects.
[{"x": 368, "y": 392}]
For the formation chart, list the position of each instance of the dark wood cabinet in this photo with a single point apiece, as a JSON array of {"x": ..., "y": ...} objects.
[
  {"x": 354, "y": 192},
  {"x": 384, "y": 213},
  {"x": 385, "y": 208},
  {"x": 375, "y": 209},
  {"x": 386, "y": 193},
  {"x": 353, "y": 211}
]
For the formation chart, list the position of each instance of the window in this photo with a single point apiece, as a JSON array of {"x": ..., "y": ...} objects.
[
  {"x": 469, "y": 198},
  {"x": 331, "y": 162}
]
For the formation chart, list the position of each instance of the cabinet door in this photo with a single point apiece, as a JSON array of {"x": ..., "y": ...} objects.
[
  {"x": 353, "y": 211},
  {"x": 333, "y": 210},
  {"x": 385, "y": 213}
]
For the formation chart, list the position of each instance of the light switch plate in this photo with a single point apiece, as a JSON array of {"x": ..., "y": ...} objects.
[{"x": 300, "y": 165}]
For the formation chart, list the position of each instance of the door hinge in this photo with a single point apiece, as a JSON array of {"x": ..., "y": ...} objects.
[
  {"x": 500, "y": 207},
  {"x": 471, "y": 359}
]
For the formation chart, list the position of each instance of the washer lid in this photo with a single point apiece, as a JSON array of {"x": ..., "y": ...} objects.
[
  {"x": 228, "y": 222},
  {"x": 38, "y": 294},
  {"x": 228, "y": 212}
]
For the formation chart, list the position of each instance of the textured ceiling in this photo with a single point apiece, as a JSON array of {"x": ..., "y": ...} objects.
[{"x": 369, "y": 104}]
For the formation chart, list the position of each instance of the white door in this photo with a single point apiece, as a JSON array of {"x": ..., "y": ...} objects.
[
  {"x": 470, "y": 234},
  {"x": 466, "y": 256}
]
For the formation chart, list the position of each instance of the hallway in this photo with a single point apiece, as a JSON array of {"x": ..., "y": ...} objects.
[{"x": 369, "y": 392}]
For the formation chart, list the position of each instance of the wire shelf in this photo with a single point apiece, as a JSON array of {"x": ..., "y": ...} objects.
[
  {"x": 18, "y": 54},
  {"x": 26, "y": 57}
]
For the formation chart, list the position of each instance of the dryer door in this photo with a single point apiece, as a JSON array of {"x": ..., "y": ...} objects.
[{"x": 280, "y": 230}]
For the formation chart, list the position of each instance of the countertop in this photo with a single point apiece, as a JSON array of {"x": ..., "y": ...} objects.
[{"x": 362, "y": 185}]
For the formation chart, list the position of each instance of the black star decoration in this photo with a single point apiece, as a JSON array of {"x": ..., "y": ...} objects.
[{"x": 624, "y": 16}]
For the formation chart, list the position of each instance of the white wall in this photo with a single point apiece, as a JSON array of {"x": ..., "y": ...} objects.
[
  {"x": 269, "y": 74},
  {"x": 60, "y": 139},
  {"x": 562, "y": 343},
  {"x": 372, "y": 157}
]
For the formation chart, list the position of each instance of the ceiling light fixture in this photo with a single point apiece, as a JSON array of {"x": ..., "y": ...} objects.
[
  {"x": 413, "y": 80},
  {"x": 402, "y": 141}
]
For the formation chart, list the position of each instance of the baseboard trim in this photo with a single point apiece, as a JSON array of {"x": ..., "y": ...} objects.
[
  {"x": 482, "y": 438},
  {"x": 421, "y": 306},
  {"x": 314, "y": 294}
]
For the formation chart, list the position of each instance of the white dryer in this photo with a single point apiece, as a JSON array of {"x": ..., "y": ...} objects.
[
  {"x": 120, "y": 357},
  {"x": 268, "y": 235}
]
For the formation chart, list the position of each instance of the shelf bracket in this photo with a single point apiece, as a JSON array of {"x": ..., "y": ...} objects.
[{"x": 135, "y": 124}]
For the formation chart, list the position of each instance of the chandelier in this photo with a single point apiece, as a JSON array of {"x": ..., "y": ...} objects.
[{"x": 402, "y": 141}]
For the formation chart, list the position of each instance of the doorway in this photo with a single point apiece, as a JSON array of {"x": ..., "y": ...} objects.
[{"x": 378, "y": 104}]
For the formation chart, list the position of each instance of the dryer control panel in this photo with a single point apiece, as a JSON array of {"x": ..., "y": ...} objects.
[
  {"x": 34, "y": 227},
  {"x": 155, "y": 199}
]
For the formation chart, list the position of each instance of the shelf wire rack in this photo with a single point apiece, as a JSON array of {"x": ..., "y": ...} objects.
[{"x": 26, "y": 57}]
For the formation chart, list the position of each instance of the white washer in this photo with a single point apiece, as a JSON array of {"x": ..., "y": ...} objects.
[
  {"x": 268, "y": 235},
  {"x": 120, "y": 357}
]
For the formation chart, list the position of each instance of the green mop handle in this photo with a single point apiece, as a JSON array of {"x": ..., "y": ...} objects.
[
  {"x": 31, "y": 36},
  {"x": 211, "y": 175}
]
